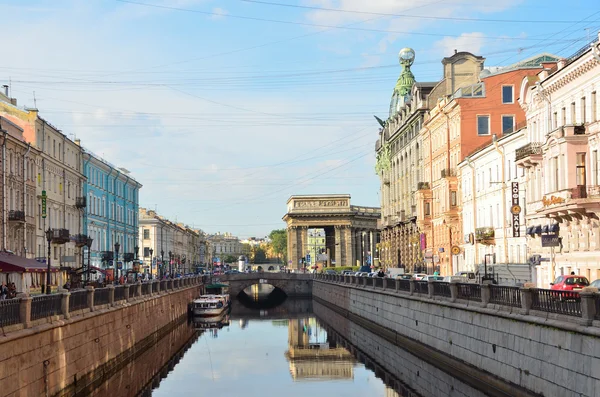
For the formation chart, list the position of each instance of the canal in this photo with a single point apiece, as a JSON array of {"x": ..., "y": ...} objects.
[{"x": 296, "y": 348}]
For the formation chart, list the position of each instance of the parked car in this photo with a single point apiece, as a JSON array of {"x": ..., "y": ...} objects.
[
  {"x": 569, "y": 283},
  {"x": 330, "y": 271},
  {"x": 419, "y": 276},
  {"x": 404, "y": 277},
  {"x": 469, "y": 275},
  {"x": 347, "y": 272},
  {"x": 362, "y": 274},
  {"x": 434, "y": 278},
  {"x": 595, "y": 283}
]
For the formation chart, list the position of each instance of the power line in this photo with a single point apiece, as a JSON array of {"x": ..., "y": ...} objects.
[
  {"x": 387, "y": 14},
  {"x": 321, "y": 25}
]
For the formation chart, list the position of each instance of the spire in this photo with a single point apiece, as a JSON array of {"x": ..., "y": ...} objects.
[{"x": 401, "y": 94}]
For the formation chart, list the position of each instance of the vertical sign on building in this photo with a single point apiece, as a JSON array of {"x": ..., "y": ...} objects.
[
  {"x": 43, "y": 203},
  {"x": 515, "y": 210}
]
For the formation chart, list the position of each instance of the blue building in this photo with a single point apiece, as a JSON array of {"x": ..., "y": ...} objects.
[{"x": 111, "y": 214}]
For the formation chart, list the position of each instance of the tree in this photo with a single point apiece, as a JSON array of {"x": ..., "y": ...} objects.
[
  {"x": 258, "y": 255},
  {"x": 279, "y": 243},
  {"x": 230, "y": 259}
]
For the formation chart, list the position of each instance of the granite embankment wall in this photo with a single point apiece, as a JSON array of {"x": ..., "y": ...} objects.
[
  {"x": 47, "y": 358},
  {"x": 523, "y": 352}
]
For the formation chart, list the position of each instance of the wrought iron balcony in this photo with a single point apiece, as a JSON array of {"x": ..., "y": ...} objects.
[
  {"x": 579, "y": 192},
  {"x": 423, "y": 186},
  {"x": 128, "y": 257},
  {"x": 448, "y": 172},
  {"x": 60, "y": 236},
  {"x": 81, "y": 202},
  {"x": 16, "y": 216},
  {"x": 532, "y": 149},
  {"x": 80, "y": 240},
  {"x": 108, "y": 256},
  {"x": 484, "y": 233}
]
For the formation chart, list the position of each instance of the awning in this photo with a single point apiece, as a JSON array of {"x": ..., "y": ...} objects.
[
  {"x": 14, "y": 263},
  {"x": 545, "y": 229},
  {"x": 554, "y": 228},
  {"x": 537, "y": 229},
  {"x": 530, "y": 230}
]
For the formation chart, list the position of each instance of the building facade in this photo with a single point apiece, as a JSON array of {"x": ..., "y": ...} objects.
[
  {"x": 168, "y": 247},
  {"x": 111, "y": 213},
  {"x": 220, "y": 245},
  {"x": 561, "y": 163}
]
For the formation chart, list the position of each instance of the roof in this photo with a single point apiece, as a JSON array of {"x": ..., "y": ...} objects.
[{"x": 14, "y": 263}]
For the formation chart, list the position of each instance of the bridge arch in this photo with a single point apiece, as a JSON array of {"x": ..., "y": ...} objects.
[{"x": 293, "y": 285}]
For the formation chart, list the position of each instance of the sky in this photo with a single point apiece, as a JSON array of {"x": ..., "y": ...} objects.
[{"x": 224, "y": 109}]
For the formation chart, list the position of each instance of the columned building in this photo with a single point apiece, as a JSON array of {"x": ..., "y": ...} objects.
[
  {"x": 223, "y": 244},
  {"x": 399, "y": 169},
  {"x": 111, "y": 213},
  {"x": 561, "y": 166}
]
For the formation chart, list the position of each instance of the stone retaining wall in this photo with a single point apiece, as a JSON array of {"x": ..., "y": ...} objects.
[
  {"x": 546, "y": 358},
  {"x": 45, "y": 359}
]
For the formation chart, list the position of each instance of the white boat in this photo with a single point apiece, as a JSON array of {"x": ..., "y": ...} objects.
[
  {"x": 208, "y": 306},
  {"x": 222, "y": 297},
  {"x": 218, "y": 322}
]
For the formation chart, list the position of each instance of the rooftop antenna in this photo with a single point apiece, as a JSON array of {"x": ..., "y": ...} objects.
[{"x": 34, "y": 101}]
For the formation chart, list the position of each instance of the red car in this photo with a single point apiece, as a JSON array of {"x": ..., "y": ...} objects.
[{"x": 569, "y": 283}]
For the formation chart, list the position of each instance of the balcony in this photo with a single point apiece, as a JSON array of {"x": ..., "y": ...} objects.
[
  {"x": 529, "y": 155},
  {"x": 16, "y": 216},
  {"x": 423, "y": 186},
  {"x": 80, "y": 240},
  {"x": 108, "y": 256},
  {"x": 485, "y": 235},
  {"x": 80, "y": 202},
  {"x": 128, "y": 257},
  {"x": 60, "y": 236},
  {"x": 448, "y": 172},
  {"x": 579, "y": 192}
]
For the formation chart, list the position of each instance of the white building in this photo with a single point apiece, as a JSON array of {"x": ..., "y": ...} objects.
[
  {"x": 561, "y": 163},
  {"x": 488, "y": 177}
]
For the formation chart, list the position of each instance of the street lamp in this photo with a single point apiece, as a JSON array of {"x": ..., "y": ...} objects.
[
  {"x": 136, "y": 248},
  {"x": 170, "y": 264},
  {"x": 117, "y": 246},
  {"x": 88, "y": 243},
  {"x": 49, "y": 236},
  {"x": 151, "y": 252},
  {"x": 162, "y": 263}
]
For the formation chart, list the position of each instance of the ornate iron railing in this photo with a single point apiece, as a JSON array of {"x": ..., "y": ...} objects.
[
  {"x": 507, "y": 296},
  {"x": 145, "y": 288},
  {"x": 421, "y": 287},
  {"x": 45, "y": 306},
  {"x": 441, "y": 289},
  {"x": 16, "y": 216},
  {"x": 403, "y": 285},
  {"x": 10, "y": 312},
  {"x": 469, "y": 291},
  {"x": 132, "y": 290},
  {"x": 527, "y": 150},
  {"x": 101, "y": 296},
  {"x": 560, "y": 302},
  {"x": 120, "y": 292},
  {"x": 78, "y": 300}
]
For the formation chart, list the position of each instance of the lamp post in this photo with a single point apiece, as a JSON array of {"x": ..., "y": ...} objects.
[
  {"x": 88, "y": 243},
  {"x": 151, "y": 252},
  {"x": 162, "y": 263},
  {"x": 135, "y": 260},
  {"x": 49, "y": 235},
  {"x": 170, "y": 264},
  {"x": 117, "y": 246}
]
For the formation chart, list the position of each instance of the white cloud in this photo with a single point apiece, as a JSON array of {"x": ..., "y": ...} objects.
[
  {"x": 470, "y": 42},
  {"x": 220, "y": 13}
]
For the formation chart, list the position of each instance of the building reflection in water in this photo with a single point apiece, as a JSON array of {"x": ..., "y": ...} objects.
[{"x": 313, "y": 356}]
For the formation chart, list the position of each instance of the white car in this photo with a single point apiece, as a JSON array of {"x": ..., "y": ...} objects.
[{"x": 419, "y": 276}]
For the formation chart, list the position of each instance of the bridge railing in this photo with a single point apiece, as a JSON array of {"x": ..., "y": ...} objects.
[
  {"x": 26, "y": 311},
  {"x": 531, "y": 301}
]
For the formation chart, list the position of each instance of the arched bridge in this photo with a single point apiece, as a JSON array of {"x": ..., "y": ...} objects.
[{"x": 293, "y": 284}]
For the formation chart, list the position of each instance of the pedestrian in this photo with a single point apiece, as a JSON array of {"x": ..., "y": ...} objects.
[
  {"x": 3, "y": 291},
  {"x": 572, "y": 273}
]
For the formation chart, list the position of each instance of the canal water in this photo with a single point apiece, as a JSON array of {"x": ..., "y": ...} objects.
[{"x": 297, "y": 348}]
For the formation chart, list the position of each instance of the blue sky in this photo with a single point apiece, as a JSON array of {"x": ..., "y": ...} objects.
[{"x": 223, "y": 109}]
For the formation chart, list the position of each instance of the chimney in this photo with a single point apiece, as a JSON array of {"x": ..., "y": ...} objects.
[{"x": 5, "y": 89}]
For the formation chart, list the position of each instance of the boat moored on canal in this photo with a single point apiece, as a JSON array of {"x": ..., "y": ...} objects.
[{"x": 208, "y": 306}]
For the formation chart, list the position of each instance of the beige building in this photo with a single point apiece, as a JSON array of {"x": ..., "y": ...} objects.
[
  {"x": 220, "y": 245},
  {"x": 168, "y": 247},
  {"x": 57, "y": 173}
]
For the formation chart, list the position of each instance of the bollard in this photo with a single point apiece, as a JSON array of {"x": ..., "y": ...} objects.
[
  {"x": 156, "y": 287},
  {"x": 138, "y": 290},
  {"x": 453, "y": 291},
  {"x": 111, "y": 295},
  {"x": 25, "y": 309},
  {"x": 90, "y": 297},
  {"x": 411, "y": 284},
  {"x": 150, "y": 288},
  {"x": 485, "y": 294},
  {"x": 126, "y": 296},
  {"x": 64, "y": 305},
  {"x": 588, "y": 307},
  {"x": 430, "y": 291},
  {"x": 526, "y": 300}
]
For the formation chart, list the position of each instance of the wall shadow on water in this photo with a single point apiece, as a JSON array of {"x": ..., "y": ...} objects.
[
  {"x": 401, "y": 371},
  {"x": 261, "y": 296}
]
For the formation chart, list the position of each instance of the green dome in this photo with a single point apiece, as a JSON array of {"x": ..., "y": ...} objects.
[{"x": 401, "y": 94}]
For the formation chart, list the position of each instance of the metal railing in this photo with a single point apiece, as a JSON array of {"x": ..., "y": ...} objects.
[
  {"x": 145, "y": 288},
  {"x": 101, "y": 296},
  {"x": 378, "y": 282},
  {"x": 45, "y": 306},
  {"x": 163, "y": 285},
  {"x": 78, "y": 300},
  {"x": 527, "y": 150},
  {"x": 441, "y": 289},
  {"x": 10, "y": 312},
  {"x": 421, "y": 287},
  {"x": 389, "y": 283},
  {"x": 561, "y": 302},
  {"x": 508, "y": 296},
  {"x": 132, "y": 290},
  {"x": 120, "y": 292},
  {"x": 469, "y": 291},
  {"x": 597, "y": 303},
  {"x": 403, "y": 285}
]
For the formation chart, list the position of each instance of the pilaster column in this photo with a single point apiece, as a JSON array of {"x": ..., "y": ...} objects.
[
  {"x": 348, "y": 247},
  {"x": 90, "y": 297},
  {"x": 293, "y": 246},
  {"x": 303, "y": 242},
  {"x": 338, "y": 245},
  {"x": 25, "y": 309}
]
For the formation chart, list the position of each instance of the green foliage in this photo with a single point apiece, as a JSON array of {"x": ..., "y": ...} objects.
[
  {"x": 341, "y": 268},
  {"x": 279, "y": 243},
  {"x": 258, "y": 255},
  {"x": 230, "y": 259}
]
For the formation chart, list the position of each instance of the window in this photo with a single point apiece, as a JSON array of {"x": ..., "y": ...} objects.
[
  {"x": 564, "y": 116},
  {"x": 507, "y": 94},
  {"x": 508, "y": 124},
  {"x": 453, "y": 198},
  {"x": 146, "y": 234},
  {"x": 593, "y": 104},
  {"x": 583, "y": 110},
  {"x": 580, "y": 169},
  {"x": 427, "y": 209},
  {"x": 573, "y": 114},
  {"x": 483, "y": 125},
  {"x": 146, "y": 252}
]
